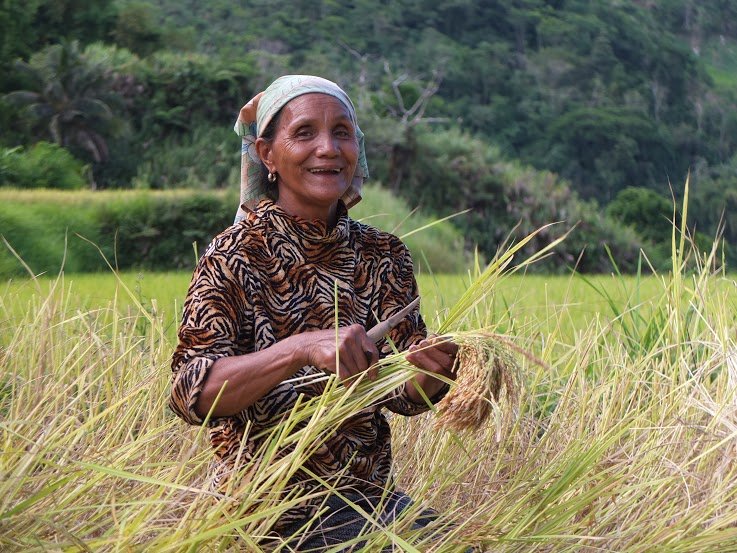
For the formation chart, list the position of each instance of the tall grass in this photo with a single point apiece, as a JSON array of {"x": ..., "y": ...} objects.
[{"x": 624, "y": 438}]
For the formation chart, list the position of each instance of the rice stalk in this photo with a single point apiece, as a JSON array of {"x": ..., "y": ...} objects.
[
  {"x": 488, "y": 382},
  {"x": 607, "y": 446}
]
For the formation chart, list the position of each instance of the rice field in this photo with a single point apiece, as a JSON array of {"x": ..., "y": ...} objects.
[
  {"x": 571, "y": 301},
  {"x": 622, "y": 434}
]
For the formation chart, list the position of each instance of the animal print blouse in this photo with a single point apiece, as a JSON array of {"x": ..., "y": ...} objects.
[{"x": 271, "y": 276}]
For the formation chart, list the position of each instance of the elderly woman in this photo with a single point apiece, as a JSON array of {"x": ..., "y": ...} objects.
[{"x": 260, "y": 310}]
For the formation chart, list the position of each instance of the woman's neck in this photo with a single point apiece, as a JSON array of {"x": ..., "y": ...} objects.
[{"x": 326, "y": 214}]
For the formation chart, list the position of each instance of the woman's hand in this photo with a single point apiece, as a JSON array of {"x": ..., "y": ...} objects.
[
  {"x": 436, "y": 355},
  {"x": 356, "y": 352},
  {"x": 252, "y": 375},
  {"x": 248, "y": 112}
]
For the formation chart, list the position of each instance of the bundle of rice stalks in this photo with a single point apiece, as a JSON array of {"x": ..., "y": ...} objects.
[{"x": 488, "y": 382}]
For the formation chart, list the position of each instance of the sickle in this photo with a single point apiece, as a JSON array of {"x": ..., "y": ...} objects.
[{"x": 381, "y": 329}]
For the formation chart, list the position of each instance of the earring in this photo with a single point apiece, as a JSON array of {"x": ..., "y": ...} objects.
[{"x": 271, "y": 177}]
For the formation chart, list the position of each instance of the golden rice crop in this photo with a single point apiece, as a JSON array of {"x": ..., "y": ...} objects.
[
  {"x": 619, "y": 435},
  {"x": 486, "y": 384}
]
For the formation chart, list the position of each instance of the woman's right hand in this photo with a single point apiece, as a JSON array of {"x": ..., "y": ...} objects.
[
  {"x": 356, "y": 352},
  {"x": 252, "y": 375}
]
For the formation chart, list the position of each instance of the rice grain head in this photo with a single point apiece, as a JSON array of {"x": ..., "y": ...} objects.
[{"x": 487, "y": 383}]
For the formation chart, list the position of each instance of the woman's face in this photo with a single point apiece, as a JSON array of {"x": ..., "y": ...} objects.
[{"x": 314, "y": 154}]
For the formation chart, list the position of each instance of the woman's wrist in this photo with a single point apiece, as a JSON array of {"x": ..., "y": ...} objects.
[{"x": 296, "y": 351}]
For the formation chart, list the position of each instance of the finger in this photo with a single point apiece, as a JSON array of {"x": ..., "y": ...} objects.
[
  {"x": 343, "y": 373},
  {"x": 348, "y": 375},
  {"x": 362, "y": 348},
  {"x": 445, "y": 344},
  {"x": 370, "y": 352},
  {"x": 351, "y": 354},
  {"x": 354, "y": 356},
  {"x": 446, "y": 349},
  {"x": 446, "y": 361},
  {"x": 422, "y": 360},
  {"x": 433, "y": 361},
  {"x": 372, "y": 358}
]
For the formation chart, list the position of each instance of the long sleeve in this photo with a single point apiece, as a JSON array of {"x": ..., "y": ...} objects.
[
  {"x": 272, "y": 276},
  {"x": 400, "y": 289},
  {"x": 209, "y": 330}
]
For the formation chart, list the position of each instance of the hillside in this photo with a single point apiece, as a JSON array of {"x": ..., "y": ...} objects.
[
  {"x": 591, "y": 98},
  {"x": 606, "y": 95}
]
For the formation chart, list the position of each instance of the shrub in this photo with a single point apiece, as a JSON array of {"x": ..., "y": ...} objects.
[
  {"x": 453, "y": 171},
  {"x": 208, "y": 157},
  {"x": 43, "y": 165},
  {"x": 649, "y": 213},
  {"x": 439, "y": 248},
  {"x": 143, "y": 229},
  {"x": 157, "y": 229}
]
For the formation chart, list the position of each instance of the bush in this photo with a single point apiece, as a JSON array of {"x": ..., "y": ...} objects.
[
  {"x": 43, "y": 165},
  {"x": 179, "y": 90},
  {"x": 156, "y": 229},
  {"x": 439, "y": 248},
  {"x": 649, "y": 213},
  {"x": 207, "y": 158},
  {"x": 453, "y": 171},
  {"x": 143, "y": 229}
]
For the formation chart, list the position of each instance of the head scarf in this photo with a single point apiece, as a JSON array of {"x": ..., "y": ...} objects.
[{"x": 275, "y": 97}]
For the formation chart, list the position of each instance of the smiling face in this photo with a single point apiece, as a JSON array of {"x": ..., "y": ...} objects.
[{"x": 314, "y": 154}]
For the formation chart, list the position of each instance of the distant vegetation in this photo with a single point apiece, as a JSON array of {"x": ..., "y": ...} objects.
[
  {"x": 530, "y": 111},
  {"x": 165, "y": 230}
]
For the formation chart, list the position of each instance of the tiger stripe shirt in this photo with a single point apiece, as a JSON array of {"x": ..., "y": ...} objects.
[{"x": 271, "y": 276}]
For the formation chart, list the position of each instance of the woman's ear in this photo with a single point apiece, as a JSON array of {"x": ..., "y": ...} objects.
[{"x": 264, "y": 151}]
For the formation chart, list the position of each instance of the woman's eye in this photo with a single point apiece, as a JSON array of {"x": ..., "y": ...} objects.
[
  {"x": 343, "y": 133},
  {"x": 304, "y": 133}
]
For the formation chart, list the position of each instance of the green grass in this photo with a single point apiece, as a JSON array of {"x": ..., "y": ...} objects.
[{"x": 520, "y": 300}]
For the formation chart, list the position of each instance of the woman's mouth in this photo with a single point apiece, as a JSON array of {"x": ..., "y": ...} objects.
[{"x": 325, "y": 171}]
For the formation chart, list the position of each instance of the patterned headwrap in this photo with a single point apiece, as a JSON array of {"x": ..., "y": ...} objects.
[{"x": 275, "y": 97}]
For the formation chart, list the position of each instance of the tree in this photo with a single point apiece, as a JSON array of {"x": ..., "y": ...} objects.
[
  {"x": 84, "y": 20},
  {"x": 68, "y": 100},
  {"x": 28, "y": 25},
  {"x": 410, "y": 103},
  {"x": 137, "y": 30},
  {"x": 16, "y": 32},
  {"x": 646, "y": 211}
]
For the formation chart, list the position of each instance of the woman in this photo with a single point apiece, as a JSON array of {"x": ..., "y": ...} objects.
[{"x": 260, "y": 309}]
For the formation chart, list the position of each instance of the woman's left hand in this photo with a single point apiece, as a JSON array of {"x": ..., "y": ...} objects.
[{"x": 434, "y": 354}]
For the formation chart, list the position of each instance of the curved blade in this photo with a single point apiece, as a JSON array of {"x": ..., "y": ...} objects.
[{"x": 381, "y": 329}]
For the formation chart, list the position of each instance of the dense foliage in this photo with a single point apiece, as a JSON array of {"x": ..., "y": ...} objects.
[
  {"x": 464, "y": 96},
  {"x": 131, "y": 229}
]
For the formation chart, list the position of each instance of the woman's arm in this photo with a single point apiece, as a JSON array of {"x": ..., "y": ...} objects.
[
  {"x": 251, "y": 376},
  {"x": 436, "y": 355},
  {"x": 215, "y": 347},
  {"x": 432, "y": 354}
]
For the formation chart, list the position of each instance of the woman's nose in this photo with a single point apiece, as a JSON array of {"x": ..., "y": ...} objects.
[{"x": 327, "y": 145}]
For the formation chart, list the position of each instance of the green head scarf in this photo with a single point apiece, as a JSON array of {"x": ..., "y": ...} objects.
[{"x": 275, "y": 97}]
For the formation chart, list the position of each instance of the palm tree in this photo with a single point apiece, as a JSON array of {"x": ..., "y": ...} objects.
[{"x": 68, "y": 99}]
